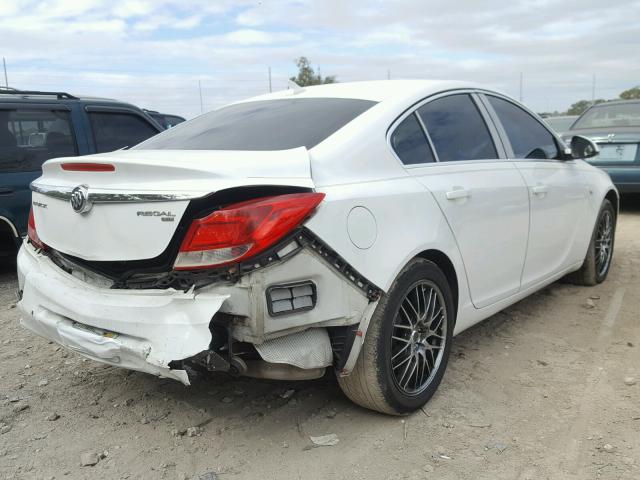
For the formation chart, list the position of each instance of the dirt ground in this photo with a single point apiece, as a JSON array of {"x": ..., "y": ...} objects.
[{"x": 549, "y": 388}]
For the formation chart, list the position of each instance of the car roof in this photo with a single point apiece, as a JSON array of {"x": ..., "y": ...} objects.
[
  {"x": 615, "y": 102},
  {"x": 155, "y": 112},
  {"x": 14, "y": 95},
  {"x": 375, "y": 90}
]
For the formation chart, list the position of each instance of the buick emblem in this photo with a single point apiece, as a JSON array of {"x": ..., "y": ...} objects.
[{"x": 80, "y": 199}]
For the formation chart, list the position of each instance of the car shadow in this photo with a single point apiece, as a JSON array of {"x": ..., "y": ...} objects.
[
  {"x": 7, "y": 267},
  {"x": 630, "y": 203}
]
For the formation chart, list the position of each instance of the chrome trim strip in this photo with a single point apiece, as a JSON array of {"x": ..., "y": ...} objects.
[
  {"x": 62, "y": 193},
  {"x": 427, "y": 136},
  {"x": 97, "y": 195}
]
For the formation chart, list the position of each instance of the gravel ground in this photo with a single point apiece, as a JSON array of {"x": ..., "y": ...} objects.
[{"x": 549, "y": 388}]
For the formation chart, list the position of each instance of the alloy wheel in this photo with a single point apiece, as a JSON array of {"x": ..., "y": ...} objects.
[
  {"x": 604, "y": 243},
  {"x": 418, "y": 337}
]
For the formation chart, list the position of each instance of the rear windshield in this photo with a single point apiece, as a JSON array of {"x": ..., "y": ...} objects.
[
  {"x": 617, "y": 115},
  {"x": 262, "y": 125}
]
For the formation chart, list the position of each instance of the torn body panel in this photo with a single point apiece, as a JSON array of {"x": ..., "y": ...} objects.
[
  {"x": 338, "y": 302},
  {"x": 148, "y": 329},
  {"x": 137, "y": 329}
]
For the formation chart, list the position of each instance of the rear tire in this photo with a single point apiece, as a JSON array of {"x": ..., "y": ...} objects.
[
  {"x": 597, "y": 263},
  {"x": 406, "y": 348}
]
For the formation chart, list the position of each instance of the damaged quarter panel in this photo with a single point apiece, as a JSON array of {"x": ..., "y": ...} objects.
[{"x": 338, "y": 302}]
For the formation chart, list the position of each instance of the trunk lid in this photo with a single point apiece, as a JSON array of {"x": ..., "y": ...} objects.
[{"x": 131, "y": 213}]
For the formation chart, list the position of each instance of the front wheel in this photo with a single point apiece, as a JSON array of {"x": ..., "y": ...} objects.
[{"x": 406, "y": 347}]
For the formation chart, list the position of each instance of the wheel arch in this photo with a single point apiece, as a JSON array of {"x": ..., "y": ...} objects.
[
  {"x": 9, "y": 237},
  {"x": 8, "y": 224},
  {"x": 614, "y": 198},
  {"x": 445, "y": 264}
]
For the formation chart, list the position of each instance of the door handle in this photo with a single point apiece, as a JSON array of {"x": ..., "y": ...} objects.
[
  {"x": 540, "y": 189},
  {"x": 458, "y": 192},
  {"x": 6, "y": 191}
]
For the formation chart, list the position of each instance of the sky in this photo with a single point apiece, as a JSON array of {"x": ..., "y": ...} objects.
[{"x": 156, "y": 53}]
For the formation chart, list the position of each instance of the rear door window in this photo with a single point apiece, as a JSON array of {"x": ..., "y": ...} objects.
[
  {"x": 528, "y": 137},
  {"x": 409, "y": 142},
  {"x": 29, "y": 137},
  {"x": 116, "y": 130},
  {"x": 457, "y": 129}
]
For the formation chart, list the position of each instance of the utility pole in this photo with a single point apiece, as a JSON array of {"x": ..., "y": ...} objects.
[
  {"x": 200, "y": 90},
  {"x": 521, "y": 86},
  {"x": 270, "y": 90},
  {"x": 388, "y": 74},
  {"x": 593, "y": 89},
  {"x": 4, "y": 64}
]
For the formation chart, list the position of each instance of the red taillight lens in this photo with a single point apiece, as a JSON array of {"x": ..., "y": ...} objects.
[
  {"x": 241, "y": 230},
  {"x": 31, "y": 231}
]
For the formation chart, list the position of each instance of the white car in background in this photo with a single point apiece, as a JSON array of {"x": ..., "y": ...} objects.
[{"x": 357, "y": 226}]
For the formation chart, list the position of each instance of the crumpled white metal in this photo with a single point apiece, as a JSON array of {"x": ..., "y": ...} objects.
[{"x": 141, "y": 330}]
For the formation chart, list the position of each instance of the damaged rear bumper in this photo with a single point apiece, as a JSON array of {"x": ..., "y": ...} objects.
[{"x": 141, "y": 330}]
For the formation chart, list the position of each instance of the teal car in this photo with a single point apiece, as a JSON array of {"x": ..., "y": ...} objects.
[
  {"x": 37, "y": 126},
  {"x": 615, "y": 128}
]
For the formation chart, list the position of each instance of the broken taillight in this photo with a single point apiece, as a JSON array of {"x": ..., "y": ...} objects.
[
  {"x": 241, "y": 230},
  {"x": 32, "y": 232}
]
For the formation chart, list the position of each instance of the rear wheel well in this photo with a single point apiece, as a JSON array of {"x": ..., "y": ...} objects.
[{"x": 444, "y": 264}]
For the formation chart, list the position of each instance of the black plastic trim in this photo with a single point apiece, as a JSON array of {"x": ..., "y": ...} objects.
[
  {"x": 342, "y": 339},
  {"x": 308, "y": 239}
]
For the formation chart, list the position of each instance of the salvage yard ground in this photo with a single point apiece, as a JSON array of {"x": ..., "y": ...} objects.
[{"x": 549, "y": 388}]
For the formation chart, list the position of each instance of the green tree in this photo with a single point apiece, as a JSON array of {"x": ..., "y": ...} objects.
[
  {"x": 631, "y": 94},
  {"x": 307, "y": 76},
  {"x": 580, "y": 106}
]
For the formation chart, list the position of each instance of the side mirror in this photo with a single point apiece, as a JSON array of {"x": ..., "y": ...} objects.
[{"x": 582, "y": 147}]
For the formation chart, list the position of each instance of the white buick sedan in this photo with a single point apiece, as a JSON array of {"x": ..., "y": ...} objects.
[{"x": 357, "y": 226}]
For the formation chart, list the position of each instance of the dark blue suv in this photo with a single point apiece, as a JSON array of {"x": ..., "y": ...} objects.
[{"x": 37, "y": 126}]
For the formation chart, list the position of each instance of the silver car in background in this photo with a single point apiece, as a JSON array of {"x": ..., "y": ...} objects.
[
  {"x": 615, "y": 128},
  {"x": 561, "y": 123}
]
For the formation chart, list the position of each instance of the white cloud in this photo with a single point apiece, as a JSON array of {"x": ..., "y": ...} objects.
[
  {"x": 390, "y": 34},
  {"x": 133, "y": 8},
  {"x": 257, "y": 37},
  {"x": 154, "y": 51}
]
